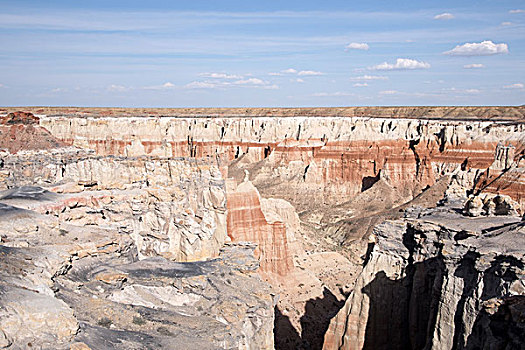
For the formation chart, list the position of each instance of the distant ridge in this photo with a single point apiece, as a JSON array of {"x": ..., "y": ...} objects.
[{"x": 495, "y": 113}]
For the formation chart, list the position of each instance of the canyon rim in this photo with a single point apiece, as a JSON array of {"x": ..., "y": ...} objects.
[{"x": 262, "y": 228}]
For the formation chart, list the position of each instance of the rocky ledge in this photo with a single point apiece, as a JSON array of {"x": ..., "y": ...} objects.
[
  {"x": 437, "y": 279},
  {"x": 99, "y": 259}
]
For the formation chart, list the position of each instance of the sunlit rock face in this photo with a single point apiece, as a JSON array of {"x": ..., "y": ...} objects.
[
  {"x": 247, "y": 222},
  {"x": 173, "y": 208},
  {"x": 100, "y": 252},
  {"x": 320, "y": 160},
  {"x": 439, "y": 281},
  {"x": 353, "y": 216}
]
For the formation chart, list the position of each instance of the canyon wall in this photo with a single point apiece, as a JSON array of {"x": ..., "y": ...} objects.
[
  {"x": 102, "y": 252},
  {"x": 319, "y": 160},
  {"x": 437, "y": 280},
  {"x": 175, "y": 208},
  {"x": 199, "y": 189}
]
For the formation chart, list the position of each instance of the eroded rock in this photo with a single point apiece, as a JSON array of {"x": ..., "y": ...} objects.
[{"x": 425, "y": 283}]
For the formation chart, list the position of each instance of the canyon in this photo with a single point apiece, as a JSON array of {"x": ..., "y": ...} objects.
[{"x": 320, "y": 228}]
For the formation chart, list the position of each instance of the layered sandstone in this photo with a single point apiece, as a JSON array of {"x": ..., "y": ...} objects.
[
  {"x": 173, "y": 208},
  {"x": 91, "y": 260},
  {"x": 306, "y": 186},
  {"x": 247, "y": 222},
  {"x": 20, "y": 131},
  {"x": 437, "y": 281},
  {"x": 332, "y": 158}
]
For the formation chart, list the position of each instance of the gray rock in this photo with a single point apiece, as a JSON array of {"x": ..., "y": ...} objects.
[{"x": 443, "y": 281}]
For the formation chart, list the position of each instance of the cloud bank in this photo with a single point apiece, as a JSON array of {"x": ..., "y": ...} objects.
[
  {"x": 484, "y": 48},
  {"x": 444, "y": 16},
  {"x": 402, "y": 64}
]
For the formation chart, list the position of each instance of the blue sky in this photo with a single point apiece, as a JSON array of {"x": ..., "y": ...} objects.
[{"x": 261, "y": 53}]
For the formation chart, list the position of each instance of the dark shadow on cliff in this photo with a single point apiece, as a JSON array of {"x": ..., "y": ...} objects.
[
  {"x": 285, "y": 335},
  {"x": 403, "y": 310},
  {"x": 316, "y": 318},
  {"x": 501, "y": 324},
  {"x": 369, "y": 181},
  {"x": 502, "y": 329},
  {"x": 314, "y": 324}
]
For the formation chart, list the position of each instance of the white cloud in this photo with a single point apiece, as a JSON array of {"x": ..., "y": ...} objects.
[
  {"x": 388, "y": 92},
  {"x": 517, "y": 11},
  {"x": 117, "y": 88},
  {"x": 165, "y": 86},
  {"x": 298, "y": 80},
  {"x": 214, "y": 84},
  {"x": 220, "y": 76},
  {"x": 250, "y": 81},
  {"x": 357, "y": 46},
  {"x": 402, "y": 64},
  {"x": 309, "y": 72},
  {"x": 370, "y": 77},
  {"x": 360, "y": 84},
  {"x": 333, "y": 94},
  {"x": 295, "y": 71},
  {"x": 474, "y": 66},
  {"x": 201, "y": 85},
  {"x": 444, "y": 16},
  {"x": 514, "y": 86},
  {"x": 506, "y": 24},
  {"x": 484, "y": 48},
  {"x": 462, "y": 91}
]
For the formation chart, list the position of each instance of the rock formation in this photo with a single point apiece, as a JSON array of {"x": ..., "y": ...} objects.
[
  {"x": 375, "y": 227},
  {"x": 109, "y": 254},
  {"x": 247, "y": 222},
  {"x": 20, "y": 131},
  {"x": 438, "y": 281},
  {"x": 331, "y": 158}
]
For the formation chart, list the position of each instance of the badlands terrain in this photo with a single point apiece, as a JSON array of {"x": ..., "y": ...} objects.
[{"x": 260, "y": 228}]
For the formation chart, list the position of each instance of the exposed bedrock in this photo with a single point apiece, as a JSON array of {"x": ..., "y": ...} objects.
[
  {"x": 336, "y": 211},
  {"x": 175, "y": 208},
  {"x": 442, "y": 281},
  {"x": 316, "y": 162},
  {"x": 320, "y": 160},
  {"x": 101, "y": 253}
]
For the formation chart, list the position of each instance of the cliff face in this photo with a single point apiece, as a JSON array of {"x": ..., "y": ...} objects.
[
  {"x": 440, "y": 281},
  {"x": 316, "y": 161},
  {"x": 247, "y": 222},
  {"x": 109, "y": 252},
  {"x": 332, "y": 158},
  {"x": 173, "y": 208},
  {"x": 306, "y": 186}
]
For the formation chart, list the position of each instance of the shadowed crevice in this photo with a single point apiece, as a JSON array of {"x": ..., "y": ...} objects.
[{"x": 314, "y": 324}]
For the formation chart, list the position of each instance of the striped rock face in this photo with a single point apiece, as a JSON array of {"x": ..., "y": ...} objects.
[
  {"x": 334, "y": 157},
  {"x": 297, "y": 183}
]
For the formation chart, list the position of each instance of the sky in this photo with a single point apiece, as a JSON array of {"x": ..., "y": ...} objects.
[{"x": 246, "y": 53}]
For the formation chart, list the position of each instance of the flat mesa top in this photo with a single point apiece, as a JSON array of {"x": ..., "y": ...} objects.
[{"x": 495, "y": 113}]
